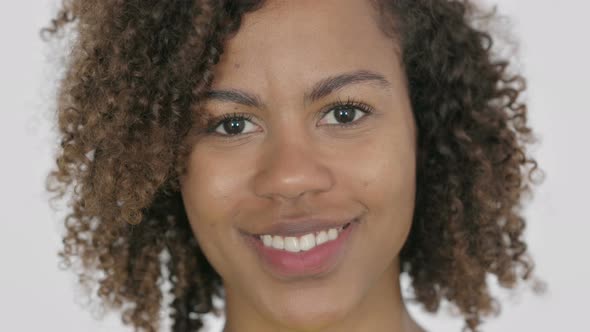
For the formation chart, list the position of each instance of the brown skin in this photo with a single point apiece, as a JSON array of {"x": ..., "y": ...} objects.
[
  {"x": 130, "y": 112},
  {"x": 288, "y": 159}
]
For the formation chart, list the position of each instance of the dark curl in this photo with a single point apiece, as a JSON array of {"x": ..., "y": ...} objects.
[{"x": 138, "y": 67}]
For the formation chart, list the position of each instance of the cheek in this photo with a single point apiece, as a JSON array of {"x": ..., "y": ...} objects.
[
  {"x": 211, "y": 182},
  {"x": 387, "y": 187},
  {"x": 208, "y": 195},
  {"x": 385, "y": 171}
]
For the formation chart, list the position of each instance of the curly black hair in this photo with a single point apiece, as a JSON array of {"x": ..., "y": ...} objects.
[{"x": 136, "y": 69}]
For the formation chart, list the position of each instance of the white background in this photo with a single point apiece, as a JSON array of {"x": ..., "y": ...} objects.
[{"x": 554, "y": 53}]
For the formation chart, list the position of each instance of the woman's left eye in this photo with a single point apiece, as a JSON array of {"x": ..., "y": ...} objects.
[
  {"x": 339, "y": 114},
  {"x": 345, "y": 115}
]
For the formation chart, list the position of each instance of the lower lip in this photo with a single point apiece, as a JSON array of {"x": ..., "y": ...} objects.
[{"x": 316, "y": 261}]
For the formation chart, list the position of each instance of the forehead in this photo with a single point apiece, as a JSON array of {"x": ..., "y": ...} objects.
[{"x": 303, "y": 41}]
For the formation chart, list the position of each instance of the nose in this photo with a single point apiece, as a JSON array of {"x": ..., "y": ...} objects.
[{"x": 291, "y": 167}]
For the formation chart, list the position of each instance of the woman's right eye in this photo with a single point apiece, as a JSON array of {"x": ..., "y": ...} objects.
[
  {"x": 231, "y": 124},
  {"x": 236, "y": 124}
]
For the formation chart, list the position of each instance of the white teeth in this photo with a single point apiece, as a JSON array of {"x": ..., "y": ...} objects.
[
  {"x": 303, "y": 243},
  {"x": 321, "y": 238},
  {"x": 332, "y": 234},
  {"x": 291, "y": 244},
  {"x": 307, "y": 242},
  {"x": 277, "y": 242},
  {"x": 267, "y": 239}
]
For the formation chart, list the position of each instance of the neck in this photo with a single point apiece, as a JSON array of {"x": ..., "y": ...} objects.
[{"x": 382, "y": 309}]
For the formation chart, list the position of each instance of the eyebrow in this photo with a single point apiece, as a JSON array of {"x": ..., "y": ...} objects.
[{"x": 321, "y": 89}]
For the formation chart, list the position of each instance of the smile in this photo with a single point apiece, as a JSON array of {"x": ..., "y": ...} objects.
[
  {"x": 309, "y": 255},
  {"x": 303, "y": 243}
]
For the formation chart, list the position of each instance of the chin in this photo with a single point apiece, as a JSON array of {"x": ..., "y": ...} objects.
[{"x": 302, "y": 311}]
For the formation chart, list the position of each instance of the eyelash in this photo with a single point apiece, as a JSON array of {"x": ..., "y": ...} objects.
[{"x": 348, "y": 103}]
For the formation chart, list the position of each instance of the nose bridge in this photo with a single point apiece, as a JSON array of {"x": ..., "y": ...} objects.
[{"x": 291, "y": 165}]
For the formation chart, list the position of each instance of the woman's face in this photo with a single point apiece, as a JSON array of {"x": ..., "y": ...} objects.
[{"x": 292, "y": 170}]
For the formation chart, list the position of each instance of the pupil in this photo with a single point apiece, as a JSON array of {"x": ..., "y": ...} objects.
[
  {"x": 234, "y": 126},
  {"x": 344, "y": 114}
]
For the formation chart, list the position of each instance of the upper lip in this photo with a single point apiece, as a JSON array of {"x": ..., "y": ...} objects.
[{"x": 301, "y": 226}]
